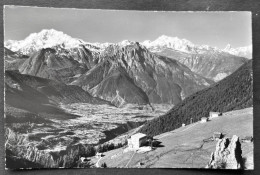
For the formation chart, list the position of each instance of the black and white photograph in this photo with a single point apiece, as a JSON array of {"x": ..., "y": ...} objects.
[{"x": 97, "y": 88}]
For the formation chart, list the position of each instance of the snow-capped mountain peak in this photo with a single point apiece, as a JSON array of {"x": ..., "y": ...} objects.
[
  {"x": 169, "y": 42},
  {"x": 240, "y": 51},
  {"x": 44, "y": 39},
  {"x": 169, "y": 39}
]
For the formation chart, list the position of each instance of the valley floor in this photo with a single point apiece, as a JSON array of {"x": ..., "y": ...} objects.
[
  {"x": 94, "y": 124},
  {"x": 189, "y": 146}
]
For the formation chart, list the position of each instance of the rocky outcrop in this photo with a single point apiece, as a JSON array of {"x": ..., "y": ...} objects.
[
  {"x": 22, "y": 148},
  {"x": 227, "y": 154}
]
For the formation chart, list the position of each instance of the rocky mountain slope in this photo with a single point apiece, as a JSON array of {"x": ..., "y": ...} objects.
[
  {"x": 111, "y": 82},
  {"x": 131, "y": 73},
  {"x": 233, "y": 92}
]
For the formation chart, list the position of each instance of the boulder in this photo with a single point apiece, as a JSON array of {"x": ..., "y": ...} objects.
[{"x": 227, "y": 154}]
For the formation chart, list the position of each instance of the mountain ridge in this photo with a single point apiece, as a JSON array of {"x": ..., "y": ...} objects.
[{"x": 163, "y": 80}]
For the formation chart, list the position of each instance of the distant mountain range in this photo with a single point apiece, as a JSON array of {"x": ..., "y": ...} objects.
[
  {"x": 166, "y": 42},
  {"x": 211, "y": 64},
  {"x": 49, "y": 38},
  {"x": 166, "y": 70}
]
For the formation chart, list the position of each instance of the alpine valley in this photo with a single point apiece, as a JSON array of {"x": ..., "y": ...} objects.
[{"x": 65, "y": 96}]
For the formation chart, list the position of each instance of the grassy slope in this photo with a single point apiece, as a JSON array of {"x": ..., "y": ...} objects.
[{"x": 185, "y": 146}]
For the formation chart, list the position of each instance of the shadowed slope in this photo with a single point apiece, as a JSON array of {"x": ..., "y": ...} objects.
[{"x": 46, "y": 89}]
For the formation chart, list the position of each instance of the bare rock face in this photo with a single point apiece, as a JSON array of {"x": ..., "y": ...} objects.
[{"x": 227, "y": 154}]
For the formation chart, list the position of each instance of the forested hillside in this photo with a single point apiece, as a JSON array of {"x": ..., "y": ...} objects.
[{"x": 233, "y": 92}]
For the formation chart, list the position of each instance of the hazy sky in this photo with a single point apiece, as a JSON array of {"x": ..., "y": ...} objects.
[{"x": 211, "y": 28}]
